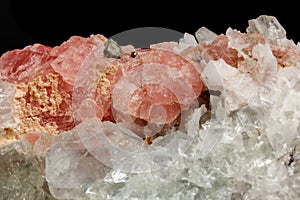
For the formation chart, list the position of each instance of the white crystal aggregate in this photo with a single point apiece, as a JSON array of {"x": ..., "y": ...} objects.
[
  {"x": 188, "y": 40},
  {"x": 7, "y": 94},
  {"x": 247, "y": 149},
  {"x": 272, "y": 30},
  {"x": 203, "y": 34}
]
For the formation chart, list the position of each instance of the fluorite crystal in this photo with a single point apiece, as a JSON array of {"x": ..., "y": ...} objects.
[{"x": 226, "y": 108}]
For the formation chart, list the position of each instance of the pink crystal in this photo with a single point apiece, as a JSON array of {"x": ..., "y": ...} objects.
[
  {"x": 70, "y": 55},
  {"x": 166, "y": 83},
  {"x": 40, "y": 69},
  {"x": 220, "y": 49}
]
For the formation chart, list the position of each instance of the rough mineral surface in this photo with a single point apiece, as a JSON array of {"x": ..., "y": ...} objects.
[
  {"x": 42, "y": 79},
  {"x": 22, "y": 176},
  {"x": 64, "y": 136}
]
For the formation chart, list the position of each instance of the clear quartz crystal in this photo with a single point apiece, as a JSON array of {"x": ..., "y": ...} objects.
[
  {"x": 70, "y": 167},
  {"x": 283, "y": 121},
  {"x": 203, "y": 34},
  {"x": 188, "y": 40},
  {"x": 270, "y": 27}
]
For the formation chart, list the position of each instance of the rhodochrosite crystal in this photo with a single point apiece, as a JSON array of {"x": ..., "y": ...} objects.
[
  {"x": 43, "y": 79},
  {"x": 219, "y": 116}
]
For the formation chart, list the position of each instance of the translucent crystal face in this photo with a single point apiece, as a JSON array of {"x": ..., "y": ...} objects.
[
  {"x": 236, "y": 95},
  {"x": 152, "y": 92}
]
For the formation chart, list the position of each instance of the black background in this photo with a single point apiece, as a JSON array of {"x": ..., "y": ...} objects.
[{"x": 52, "y": 22}]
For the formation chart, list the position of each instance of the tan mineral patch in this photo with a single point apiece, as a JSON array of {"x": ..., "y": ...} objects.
[
  {"x": 104, "y": 82},
  {"x": 111, "y": 69},
  {"x": 7, "y": 135},
  {"x": 37, "y": 97}
]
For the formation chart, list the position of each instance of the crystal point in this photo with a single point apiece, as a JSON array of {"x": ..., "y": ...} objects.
[
  {"x": 268, "y": 26},
  {"x": 203, "y": 34}
]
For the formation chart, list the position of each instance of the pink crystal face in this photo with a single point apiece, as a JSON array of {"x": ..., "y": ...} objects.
[
  {"x": 143, "y": 87},
  {"x": 44, "y": 79},
  {"x": 150, "y": 88},
  {"x": 156, "y": 86},
  {"x": 234, "y": 46}
]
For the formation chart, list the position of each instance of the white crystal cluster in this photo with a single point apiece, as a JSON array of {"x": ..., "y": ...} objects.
[
  {"x": 247, "y": 149},
  {"x": 7, "y": 93}
]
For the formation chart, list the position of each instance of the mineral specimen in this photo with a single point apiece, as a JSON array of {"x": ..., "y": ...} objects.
[
  {"x": 226, "y": 107},
  {"x": 45, "y": 79}
]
